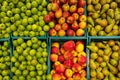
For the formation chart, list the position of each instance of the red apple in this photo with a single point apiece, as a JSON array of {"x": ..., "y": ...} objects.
[
  {"x": 83, "y": 73},
  {"x": 69, "y": 45},
  {"x": 68, "y": 63},
  {"x": 75, "y": 26},
  {"x": 61, "y": 20},
  {"x": 66, "y": 14},
  {"x": 55, "y": 6},
  {"x": 47, "y": 18},
  {"x": 73, "y": 2},
  {"x": 63, "y": 1},
  {"x": 56, "y": 63},
  {"x": 76, "y": 16},
  {"x": 68, "y": 73},
  {"x": 82, "y": 59},
  {"x": 65, "y": 7},
  {"x": 53, "y": 57},
  {"x": 80, "y": 42},
  {"x": 57, "y": 1},
  {"x": 54, "y": 50},
  {"x": 56, "y": 76},
  {"x": 70, "y": 32},
  {"x": 52, "y": 14},
  {"x": 76, "y": 67},
  {"x": 76, "y": 76},
  {"x": 70, "y": 19},
  {"x": 73, "y": 8},
  {"x": 68, "y": 55},
  {"x": 81, "y": 3},
  {"x": 56, "y": 44},
  {"x": 74, "y": 59},
  {"x": 61, "y": 58},
  {"x": 80, "y": 11},
  {"x": 65, "y": 26},
  {"x": 60, "y": 68},
  {"x": 57, "y": 27},
  {"x": 52, "y": 32}
]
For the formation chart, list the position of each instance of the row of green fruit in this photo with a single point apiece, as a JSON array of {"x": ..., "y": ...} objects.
[
  {"x": 103, "y": 17},
  {"x": 104, "y": 60}
]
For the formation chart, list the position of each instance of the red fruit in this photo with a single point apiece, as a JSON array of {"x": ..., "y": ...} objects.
[
  {"x": 60, "y": 68},
  {"x": 56, "y": 76},
  {"x": 79, "y": 42},
  {"x": 47, "y": 18},
  {"x": 69, "y": 45},
  {"x": 61, "y": 20},
  {"x": 68, "y": 55},
  {"x": 57, "y": 27},
  {"x": 76, "y": 67},
  {"x": 52, "y": 32},
  {"x": 68, "y": 63},
  {"x": 82, "y": 60},
  {"x": 73, "y": 2},
  {"x": 61, "y": 58},
  {"x": 52, "y": 14},
  {"x": 54, "y": 50},
  {"x": 66, "y": 14},
  {"x": 73, "y": 8},
  {"x": 81, "y": 3},
  {"x": 80, "y": 11},
  {"x": 70, "y": 32},
  {"x": 53, "y": 57},
  {"x": 63, "y": 1},
  {"x": 65, "y": 7},
  {"x": 55, "y": 6},
  {"x": 76, "y": 16},
  {"x": 75, "y": 26},
  {"x": 70, "y": 20},
  {"x": 76, "y": 76},
  {"x": 65, "y": 26}
]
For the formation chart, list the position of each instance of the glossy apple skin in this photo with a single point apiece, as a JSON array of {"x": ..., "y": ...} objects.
[
  {"x": 47, "y": 18},
  {"x": 68, "y": 73},
  {"x": 81, "y": 3},
  {"x": 54, "y": 50},
  {"x": 53, "y": 57},
  {"x": 75, "y": 26},
  {"x": 70, "y": 32},
  {"x": 65, "y": 26},
  {"x": 52, "y": 32},
  {"x": 70, "y": 20},
  {"x": 60, "y": 68},
  {"x": 80, "y": 11},
  {"x": 66, "y": 14}
]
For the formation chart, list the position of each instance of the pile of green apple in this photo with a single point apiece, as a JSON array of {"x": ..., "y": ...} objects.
[
  {"x": 4, "y": 60},
  {"x": 23, "y": 18},
  {"x": 29, "y": 60}
]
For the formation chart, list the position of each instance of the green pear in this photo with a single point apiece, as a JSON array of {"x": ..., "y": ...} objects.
[
  {"x": 105, "y": 71},
  {"x": 92, "y": 43},
  {"x": 118, "y": 1},
  {"x": 98, "y": 28},
  {"x": 93, "y": 56},
  {"x": 44, "y": 3},
  {"x": 104, "y": 8},
  {"x": 112, "y": 69},
  {"x": 100, "y": 52},
  {"x": 93, "y": 48},
  {"x": 100, "y": 45},
  {"x": 118, "y": 75},
  {"x": 115, "y": 55},
  {"x": 93, "y": 32},
  {"x": 108, "y": 28},
  {"x": 115, "y": 32},
  {"x": 98, "y": 7},
  {"x": 113, "y": 62},
  {"x": 117, "y": 14},
  {"x": 108, "y": 1},
  {"x": 110, "y": 20},
  {"x": 113, "y": 5},
  {"x": 92, "y": 64},
  {"x": 107, "y": 50},
  {"x": 95, "y": 15},
  {"x": 106, "y": 58},
  {"x": 93, "y": 73},
  {"x": 111, "y": 12},
  {"x": 95, "y": 1},
  {"x": 103, "y": 16},
  {"x": 106, "y": 78},
  {"x": 89, "y": 2},
  {"x": 101, "y": 33},
  {"x": 90, "y": 8},
  {"x": 102, "y": 22},
  {"x": 115, "y": 26},
  {"x": 90, "y": 20},
  {"x": 100, "y": 75},
  {"x": 102, "y": 2},
  {"x": 111, "y": 76}
]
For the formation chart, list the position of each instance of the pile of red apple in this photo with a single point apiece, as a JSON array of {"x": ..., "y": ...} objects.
[
  {"x": 68, "y": 17},
  {"x": 68, "y": 60}
]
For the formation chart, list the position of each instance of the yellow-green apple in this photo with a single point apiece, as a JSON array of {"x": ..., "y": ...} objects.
[
  {"x": 63, "y": 1},
  {"x": 57, "y": 27},
  {"x": 61, "y": 20},
  {"x": 56, "y": 63},
  {"x": 76, "y": 76},
  {"x": 82, "y": 59},
  {"x": 65, "y": 7},
  {"x": 55, "y": 6},
  {"x": 58, "y": 13},
  {"x": 60, "y": 68},
  {"x": 65, "y": 26},
  {"x": 76, "y": 16},
  {"x": 68, "y": 55},
  {"x": 54, "y": 50},
  {"x": 76, "y": 67},
  {"x": 56, "y": 76},
  {"x": 69, "y": 45},
  {"x": 73, "y": 8},
  {"x": 56, "y": 44},
  {"x": 49, "y": 7},
  {"x": 52, "y": 32},
  {"x": 68, "y": 63},
  {"x": 68, "y": 73},
  {"x": 83, "y": 73},
  {"x": 66, "y": 14},
  {"x": 74, "y": 26},
  {"x": 80, "y": 32},
  {"x": 61, "y": 58},
  {"x": 53, "y": 57},
  {"x": 73, "y": 2},
  {"x": 81, "y": 3},
  {"x": 82, "y": 18},
  {"x": 52, "y": 14},
  {"x": 80, "y": 11},
  {"x": 79, "y": 47},
  {"x": 74, "y": 59},
  {"x": 61, "y": 33},
  {"x": 70, "y": 32},
  {"x": 47, "y": 18},
  {"x": 70, "y": 19}
]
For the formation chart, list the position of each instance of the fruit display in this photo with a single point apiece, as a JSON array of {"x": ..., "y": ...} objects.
[
  {"x": 68, "y": 60},
  {"x": 4, "y": 60},
  {"x": 103, "y": 17},
  {"x": 104, "y": 59},
  {"x": 23, "y": 18},
  {"x": 29, "y": 60},
  {"x": 68, "y": 17}
]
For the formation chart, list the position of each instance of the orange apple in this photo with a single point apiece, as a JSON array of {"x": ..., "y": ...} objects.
[
  {"x": 68, "y": 73},
  {"x": 62, "y": 50},
  {"x": 76, "y": 76},
  {"x": 56, "y": 44},
  {"x": 82, "y": 18},
  {"x": 54, "y": 50},
  {"x": 82, "y": 53},
  {"x": 80, "y": 11},
  {"x": 76, "y": 16},
  {"x": 68, "y": 55},
  {"x": 83, "y": 73},
  {"x": 55, "y": 6},
  {"x": 58, "y": 13},
  {"x": 56, "y": 76},
  {"x": 52, "y": 32},
  {"x": 60, "y": 68},
  {"x": 82, "y": 24},
  {"x": 84, "y": 65},
  {"x": 53, "y": 57},
  {"x": 52, "y": 71},
  {"x": 79, "y": 47},
  {"x": 74, "y": 59},
  {"x": 74, "y": 53},
  {"x": 61, "y": 20},
  {"x": 80, "y": 32},
  {"x": 66, "y": 14},
  {"x": 61, "y": 33},
  {"x": 70, "y": 79},
  {"x": 57, "y": 27},
  {"x": 73, "y": 8},
  {"x": 76, "y": 67},
  {"x": 65, "y": 26},
  {"x": 82, "y": 59},
  {"x": 56, "y": 63}
]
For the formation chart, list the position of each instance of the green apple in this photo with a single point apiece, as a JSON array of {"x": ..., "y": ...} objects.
[
  {"x": 28, "y": 5},
  {"x": 18, "y": 22},
  {"x": 6, "y": 78},
  {"x": 29, "y": 27},
  {"x": 35, "y": 46},
  {"x": 5, "y": 53},
  {"x": 38, "y": 78},
  {"x": 35, "y": 17},
  {"x": 38, "y": 54},
  {"x": 29, "y": 58},
  {"x": 13, "y": 59},
  {"x": 21, "y": 58},
  {"x": 28, "y": 77},
  {"x": 39, "y": 67},
  {"x": 21, "y": 77},
  {"x": 13, "y": 28},
  {"x": 46, "y": 28},
  {"x": 45, "y": 67},
  {"x": 44, "y": 54},
  {"x": 34, "y": 4},
  {"x": 20, "y": 4},
  {"x": 13, "y": 69},
  {"x": 26, "y": 33},
  {"x": 41, "y": 60},
  {"x": 39, "y": 28},
  {"x": 25, "y": 53},
  {"x": 34, "y": 10},
  {"x": 43, "y": 44},
  {"x": 19, "y": 49},
  {"x": 20, "y": 40},
  {"x": 40, "y": 49},
  {"x": 25, "y": 22},
  {"x": 1, "y": 78},
  {"x": 32, "y": 34},
  {"x": 34, "y": 62},
  {"x": 45, "y": 59},
  {"x": 8, "y": 63},
  {"x": 17, "y": 64},
  {"x": 17, "y": 72},
  {"x": 22, "y": 67},
  {"x": 39, "y": 13},
  {"x": 25, "y": 72},
  {"x": 22, "y": 15},
  {"x": 40, "y": 72},
  {"x": 23, "y": 8},
  {"x": 24, "y": 63},
  {"x": 41, "y": 18},
  {"x": 24, "y": 45},
  {"x": 44, "y": 77},
  {"x": 28, "y": 12},
  {"x": 51, "y": 24},
  {"x": 17, "y": 17},
  {"x": 32, "y": 52},
  {"x": 41, "y": 23},
  {"x": 40, "y": 8},
  {"x": 34, "y": 27},
  {"x": 15, "y": 33},
  {"x": 33, "y": 73},
  {"x": 16, "y": 54},
  {"x": 0, "y": 52},
  {"x": 44, "y": 12},
  {"x": 30, "y": 20},
  {"x": 31, "y": 68},
  {"x": 28, "y": 49},
  {"x": 42, "y": 33},
  {"x": 3, "y": 66},
  {"x": 7, "y": 58},
  {"x": 15, "y": 43},
  {"x": 14, "y": 78},
  {"x": 5, "y": 72},
  {"x": 44, "y": 3},
  {"x": 49, "y": 77},
  {"x": 12, "y": 19},
  {"x": 29, "y": 43}
]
